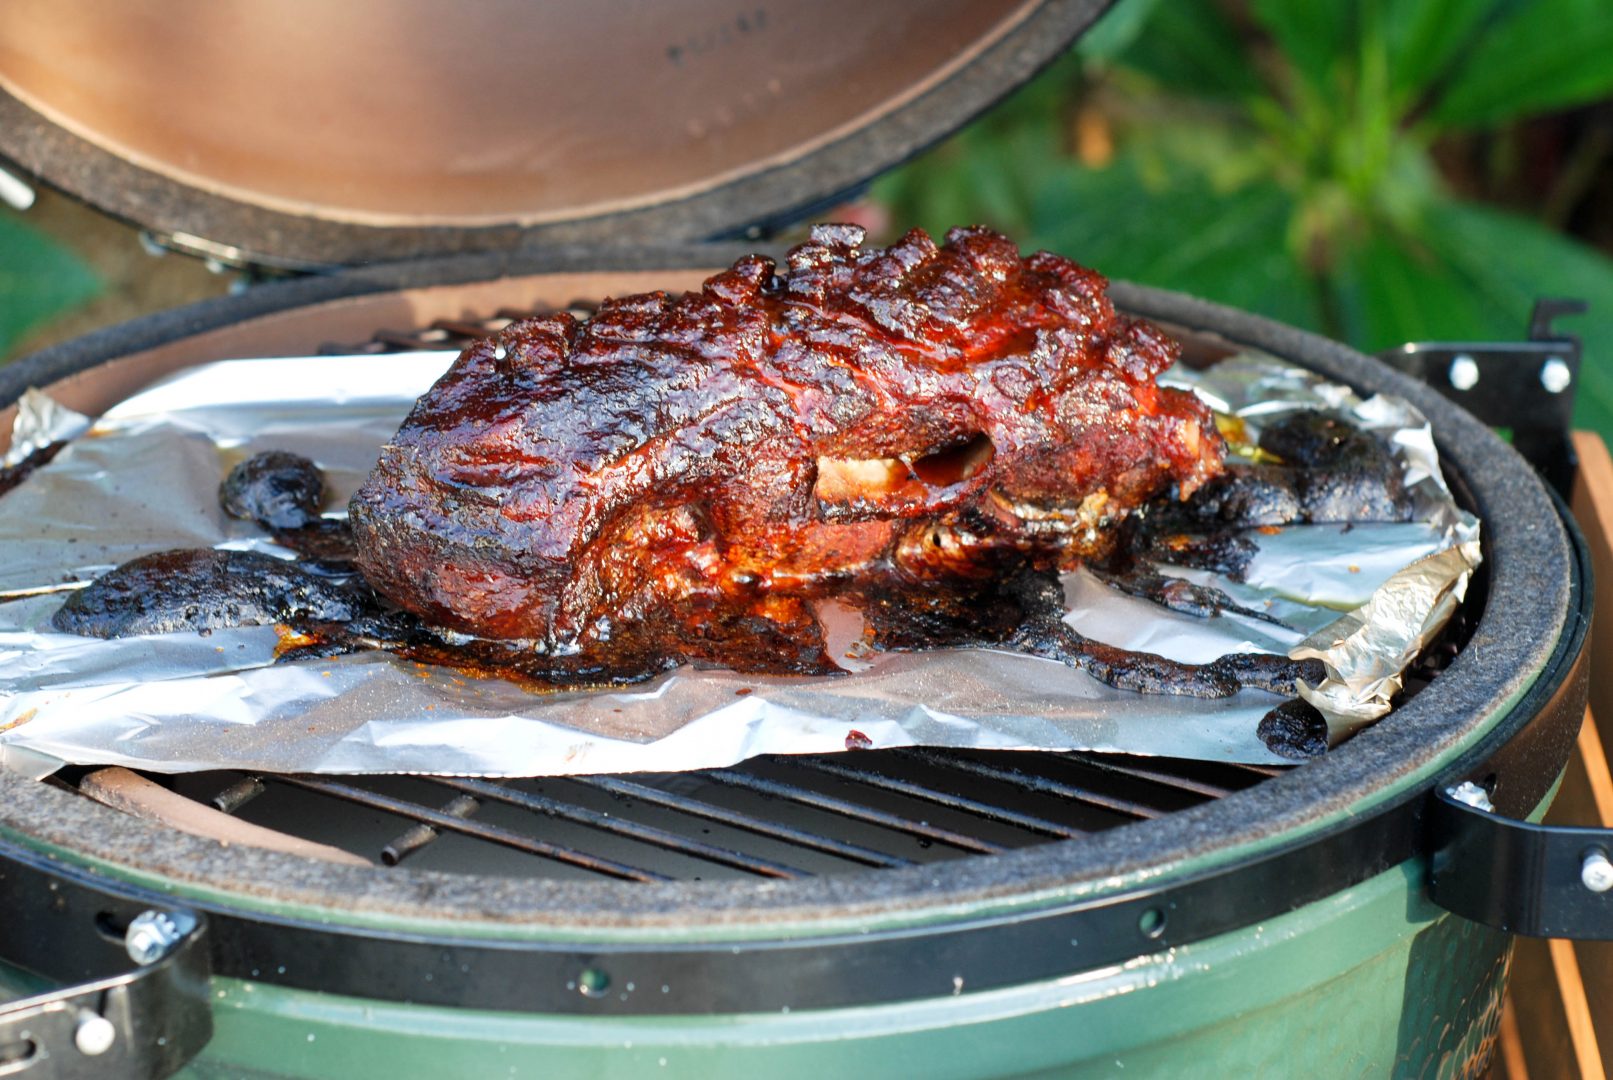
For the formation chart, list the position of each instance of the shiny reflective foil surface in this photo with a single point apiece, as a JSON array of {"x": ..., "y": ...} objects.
[{"x": 144, "y": 478}]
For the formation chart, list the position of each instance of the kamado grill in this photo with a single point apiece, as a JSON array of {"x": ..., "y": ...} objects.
[{"x": 897, "y": 912}]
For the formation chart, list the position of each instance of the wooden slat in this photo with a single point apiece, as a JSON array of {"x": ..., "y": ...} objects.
[
  {"x": 1577, "y": 1008},
  {"x": 1598, "y": 776},
  {"x": 1512, "y": 1064},
  {"x": 1561, "y": 997},
  {"x": 1592, "y": 503},
  {"x": 1539, "y": 1033}
]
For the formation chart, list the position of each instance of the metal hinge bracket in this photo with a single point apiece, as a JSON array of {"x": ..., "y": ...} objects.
[
  {"x": 133, "y": 973},
  {"x": 1526, "y": 386}
]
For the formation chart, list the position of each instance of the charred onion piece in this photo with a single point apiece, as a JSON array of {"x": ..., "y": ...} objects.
[
  {"x": 204, "y": 589},
  {"x": 282, "y": 492},
  {"x": 276, "y": 489},
  {"x": 684, "y": 478},
  {"x": 1294, "y": 730},
  {"x": 1332, "y": 472}
]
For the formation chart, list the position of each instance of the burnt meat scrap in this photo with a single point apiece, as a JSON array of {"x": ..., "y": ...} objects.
[{"x": 898, "y": 432}]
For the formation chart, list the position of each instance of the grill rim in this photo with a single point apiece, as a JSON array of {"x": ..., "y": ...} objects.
[{"x": 1528, "y": 555}]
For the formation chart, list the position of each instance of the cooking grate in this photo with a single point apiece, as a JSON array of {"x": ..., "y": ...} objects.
[{"x": 772, "y": 817}]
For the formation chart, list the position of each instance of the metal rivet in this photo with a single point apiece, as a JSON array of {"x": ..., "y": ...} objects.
[
  {"x": 1471, "y": 794},
  {"x": 593, "y": 982},
  {"x": 1596, "y": 872},
  {"x": 94, "y": 1034},
  {"x": 1555, "y": 375},
  {"x": 15, "y": 192},
  {"x": 1464, "y": 373}
]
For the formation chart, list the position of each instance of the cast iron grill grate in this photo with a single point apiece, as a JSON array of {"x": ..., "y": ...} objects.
[{"x": 772, "y": 817}]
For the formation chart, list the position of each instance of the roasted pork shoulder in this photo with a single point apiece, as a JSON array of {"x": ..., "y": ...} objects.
[{"x": 883, "y": 435}]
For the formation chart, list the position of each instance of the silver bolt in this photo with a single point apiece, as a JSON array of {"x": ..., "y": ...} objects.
[
  {"x": 151, "y": 935},
  {"x": 1472, "y": 794},
  {"x": 1464, "y": 373},
  {"x": 94, "y": 1034},
  {"x": 1596, "y": 873},
  {"x": 1555, "y": 375}
]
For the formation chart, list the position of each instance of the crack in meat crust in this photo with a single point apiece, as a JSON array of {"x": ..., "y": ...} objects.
[{"x": 685, "y": 478}]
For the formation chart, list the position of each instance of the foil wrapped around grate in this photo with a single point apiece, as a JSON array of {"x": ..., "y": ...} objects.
[{"x": 144, "y": 478}]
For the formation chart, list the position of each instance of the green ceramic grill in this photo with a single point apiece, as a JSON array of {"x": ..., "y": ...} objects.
[{"x": 917, "y": 912}]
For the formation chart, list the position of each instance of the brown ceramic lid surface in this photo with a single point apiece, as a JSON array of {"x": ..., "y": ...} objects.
[{"x": 312, "y": 132}]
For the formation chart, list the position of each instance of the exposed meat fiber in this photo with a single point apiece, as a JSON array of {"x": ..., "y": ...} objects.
[{"x": 893, "y": 432}]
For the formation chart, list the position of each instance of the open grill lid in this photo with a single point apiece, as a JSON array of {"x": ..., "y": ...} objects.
[{"x": 306, "y": 134}]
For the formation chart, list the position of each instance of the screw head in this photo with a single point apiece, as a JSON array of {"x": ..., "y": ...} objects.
[
  {"x": 94, "y": 1034},
  {"x": 1596, "y": 872},
  {"x": 1464, "y": 372},
  {"x": 1555, "y": 375}
]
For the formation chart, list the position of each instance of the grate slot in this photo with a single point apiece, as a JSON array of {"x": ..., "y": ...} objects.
[
  {"x": 1032, "y": 782},
  {"x": 740, "y": 820},
  {"x": 855, "y": 811},
  {"x": 420, "y": 834},
  {"x": 1265, "y": 772},
  {"x": 963, "y": 803},
  {"x": 490, "y": 833},
  {"x": 1152, "y": 775},
  {"x": 632, "y": 830}
]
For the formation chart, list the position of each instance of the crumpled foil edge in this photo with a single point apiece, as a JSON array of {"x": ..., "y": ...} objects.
[{"x": 1367, "y": 651}]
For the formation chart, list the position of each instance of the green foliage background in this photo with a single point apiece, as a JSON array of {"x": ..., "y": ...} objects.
[
  {"x": 39, "y": 279},
  {"x": 1279, "y": 155}
]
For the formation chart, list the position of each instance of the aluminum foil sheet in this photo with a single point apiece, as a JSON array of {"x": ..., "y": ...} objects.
[{"x": 144, "y": 478}]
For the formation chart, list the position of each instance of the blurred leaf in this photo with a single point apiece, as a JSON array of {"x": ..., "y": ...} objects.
[
  {"x": 1544, "y": 54},
  {"x": 1189, "y": 46},
  {"x": 1423, "y": 37},
  {"x": 1179, "y": 235},
  {"x": 1119, "y": 27},
  {"x": 39, "y": 279},
  {"x": 1388, "y": 291},
  {"x": 1316, "y": 35}
]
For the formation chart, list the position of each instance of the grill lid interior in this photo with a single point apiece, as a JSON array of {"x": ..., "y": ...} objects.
[{"x": 310, "y": 133}]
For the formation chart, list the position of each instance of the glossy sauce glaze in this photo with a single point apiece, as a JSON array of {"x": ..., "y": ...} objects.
[{"x": 900, "y": 430}]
